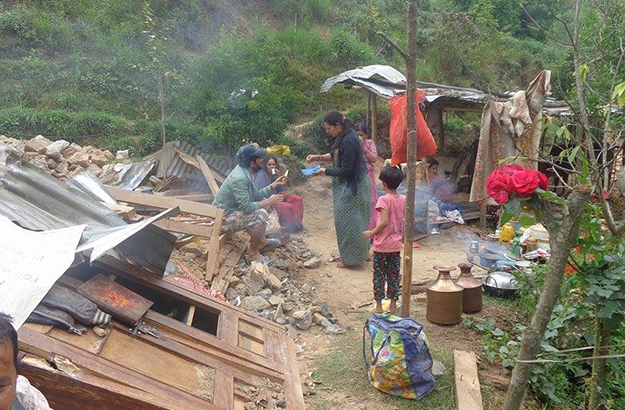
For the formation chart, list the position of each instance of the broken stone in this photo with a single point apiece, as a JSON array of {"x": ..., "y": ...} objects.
[
  {"x": 275, "y": 300},
  {"x": 62, "y": 167},
  {"x": 294, "y": 297},
  {"x": 266, "y": 314},
  {"x": 254, "y": 303},
  {"x": 334, "y": 330},
  {"x": 287, "y": 307},
  {"x": 254, "y": 283},
  {"x": 109, "y": 155},
  {"x": 279, "y": 273},
  {"x": 18, "y": 145},
  {"x": 231, "y": 294},
  {"x": 71, "y": 150},
  {"x": 51, "y": 163},
  {"x": 39, "y": 144},
  {"x": 55, "y": 150},
  {"x": 438, "y": 368},
  {"x": 317, "y": 318},
  {"x": 303, "y": 319},
  {"x": 282, "y": 321},
  {"x": 291, "y": 332},
  {"x": 28, "y": 156},
  {"x": 95, "y": 170},
  {"x": 265, "y": 294},
  {"x": 313, "y": 263},
  {"x": 41, "y": 162},
  {"x": 122, "y": 154},
  {"x": 98, "y": 158},
  {"x": 118, "y": 167},
  {"x": 80, "y": 158},
  {"x": 278, "y": 314},
  {"x": 194, "y": 249}
]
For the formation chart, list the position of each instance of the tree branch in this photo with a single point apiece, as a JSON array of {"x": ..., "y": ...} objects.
[{"x": 393, "y": 44}]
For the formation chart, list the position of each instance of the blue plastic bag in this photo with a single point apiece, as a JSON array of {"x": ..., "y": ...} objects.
[{"x": 311, "y": 169}]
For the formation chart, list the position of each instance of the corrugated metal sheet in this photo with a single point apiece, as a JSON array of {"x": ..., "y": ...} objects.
[
  {"x": 383, "y": 80},
  {"x": 37, "y": 201},
  {"x": 169, "y": 162}
]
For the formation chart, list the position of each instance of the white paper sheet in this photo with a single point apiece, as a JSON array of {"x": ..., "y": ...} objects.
[{"x": 30, "y": 263}]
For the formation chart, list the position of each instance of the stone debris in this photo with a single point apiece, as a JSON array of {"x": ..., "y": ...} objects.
[
  {"x": 312, "y": 263},
  {"x": 60, "y": 158},
  {"x": 256, "y": 303},
  {"x": 302, "y": 319}
]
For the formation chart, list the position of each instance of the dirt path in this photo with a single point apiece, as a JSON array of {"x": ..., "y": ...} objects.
[{"x": 344, "y": 290}]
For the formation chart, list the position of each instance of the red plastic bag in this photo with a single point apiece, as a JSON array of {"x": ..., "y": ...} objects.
[{"x": 426, "y": 146}]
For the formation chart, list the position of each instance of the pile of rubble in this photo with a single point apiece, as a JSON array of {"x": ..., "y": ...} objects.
[
  {"x": 60, "y": 159},
  {"x": 273, "y": 292}
]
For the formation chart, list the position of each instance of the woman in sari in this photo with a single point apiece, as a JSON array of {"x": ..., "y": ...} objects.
[
  {"x": 371, "y": 156},
  {"x": 351, "y": 190},
  {"x": 291, "y": 211}
]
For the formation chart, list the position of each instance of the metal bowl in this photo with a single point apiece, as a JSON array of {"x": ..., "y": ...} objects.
[{"x": 500, "y": 284}]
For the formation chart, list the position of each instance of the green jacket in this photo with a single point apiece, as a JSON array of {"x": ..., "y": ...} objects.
[{"x": 238, "y": 193}]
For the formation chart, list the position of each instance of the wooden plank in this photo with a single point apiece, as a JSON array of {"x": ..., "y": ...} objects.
[
  {"x": 163, "y": 202},
  {"x": 224, "y": 390},
  {"x": 194, "y": 197},
  {"x": 218, "y": 283},
  {"x": 126, "y": 212},
  {"x": 208, "y": 174},
  {"x": 99, "y": 371},
  {"x": 213, "y": 250},
  {"x": 204, "y": 231},
  {"x": 190, "y": 315},
  {"x": 115, "y": 299},
  {"x": 151, "y": 361},
  {"x": 468, "y": 394}
]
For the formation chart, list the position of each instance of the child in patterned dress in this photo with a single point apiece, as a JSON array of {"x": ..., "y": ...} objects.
[{"x": 387, "y": 239}]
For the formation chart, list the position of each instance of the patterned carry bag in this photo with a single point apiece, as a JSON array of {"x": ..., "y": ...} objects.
[{"x": 401, "y": 363}]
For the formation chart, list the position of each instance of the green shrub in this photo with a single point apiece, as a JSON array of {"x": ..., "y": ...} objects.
[
  {"x": 348, "y": 51},
  {"x": 148, "y": 145}
]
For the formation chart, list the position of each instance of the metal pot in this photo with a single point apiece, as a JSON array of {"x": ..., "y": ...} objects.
[
  {"x": 472, "y": 293},
  {"x": 488, "y": 259},
  {"x": 500, "y": 284},
  {"x": 444, "y": 298}
]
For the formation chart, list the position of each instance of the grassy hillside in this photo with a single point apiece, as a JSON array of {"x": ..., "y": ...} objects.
[{"x": 88, "y": 70}]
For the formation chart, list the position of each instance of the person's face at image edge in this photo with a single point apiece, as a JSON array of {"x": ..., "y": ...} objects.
[{"x": 8, "y": 375}]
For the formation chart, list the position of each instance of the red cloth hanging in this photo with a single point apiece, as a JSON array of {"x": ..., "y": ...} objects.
[{"x": 426, "y": 146}]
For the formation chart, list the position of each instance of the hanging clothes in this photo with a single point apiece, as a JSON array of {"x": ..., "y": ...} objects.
[{"x": 426, "y": 146}]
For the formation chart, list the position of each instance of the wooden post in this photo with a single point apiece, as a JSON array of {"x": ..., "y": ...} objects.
[
  {"x": 368, "y": 115},
  {"x": 374, "y": 118},
  {"x": 161, "y": 102},
  {"x": 411, "y": 89}
]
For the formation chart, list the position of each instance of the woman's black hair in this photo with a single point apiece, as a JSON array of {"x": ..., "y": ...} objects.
[
  {"x": 361, "y": 126},
  {"x": 267, "y": 162},
  {"x": 391, "y": 176},
  {"x": 432, "y": 162},
  {"x": 8, "y": 334},
  {"x": 336, "y": 118}
]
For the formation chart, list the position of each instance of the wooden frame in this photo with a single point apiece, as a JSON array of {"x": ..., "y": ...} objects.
[
  {"x": 196, "y": 208},
  {"x": 141, "y": 371}
]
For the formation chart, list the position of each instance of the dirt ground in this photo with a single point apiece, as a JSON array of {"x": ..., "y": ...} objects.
[{"x": 345, "y": 290}]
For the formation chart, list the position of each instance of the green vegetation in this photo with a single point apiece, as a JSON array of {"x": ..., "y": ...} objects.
[{"x": 89, "y": 71}]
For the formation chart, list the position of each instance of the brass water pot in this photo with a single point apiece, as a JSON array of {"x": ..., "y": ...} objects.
[
  {"x": 472, "y": 293},
  {"x": 444, "y": 298}
]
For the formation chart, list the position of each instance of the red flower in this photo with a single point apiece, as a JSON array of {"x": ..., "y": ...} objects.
[
  {"x": 525, "y": 182},
  {"x": 501, "y": 197},
  {"x": 543, "y": 181},
  {"x": 510, "y": 169}
]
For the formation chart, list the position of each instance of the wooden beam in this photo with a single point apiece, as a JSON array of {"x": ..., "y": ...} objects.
[
  {"x": 194, "y": 197},
  {"x": 208, "y": 174},
  {"x": 213, "y": 250},
  {"x": 468, "y": 394},
  {"x": 162, "y": 202},
  {"x": 374, "y": 118},
  {"x": 203, "y": 231},
  {"x": 219, "y": 282},
  {"x": 126, "y": 212}
]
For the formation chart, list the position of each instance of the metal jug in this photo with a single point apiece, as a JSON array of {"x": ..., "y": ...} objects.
[
  {"x": 472, "y": 293},
  {"x": 444, "y": 298}
]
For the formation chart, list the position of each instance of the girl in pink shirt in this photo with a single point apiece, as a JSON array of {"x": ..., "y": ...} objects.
[{"x": 387, "y": 240}]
